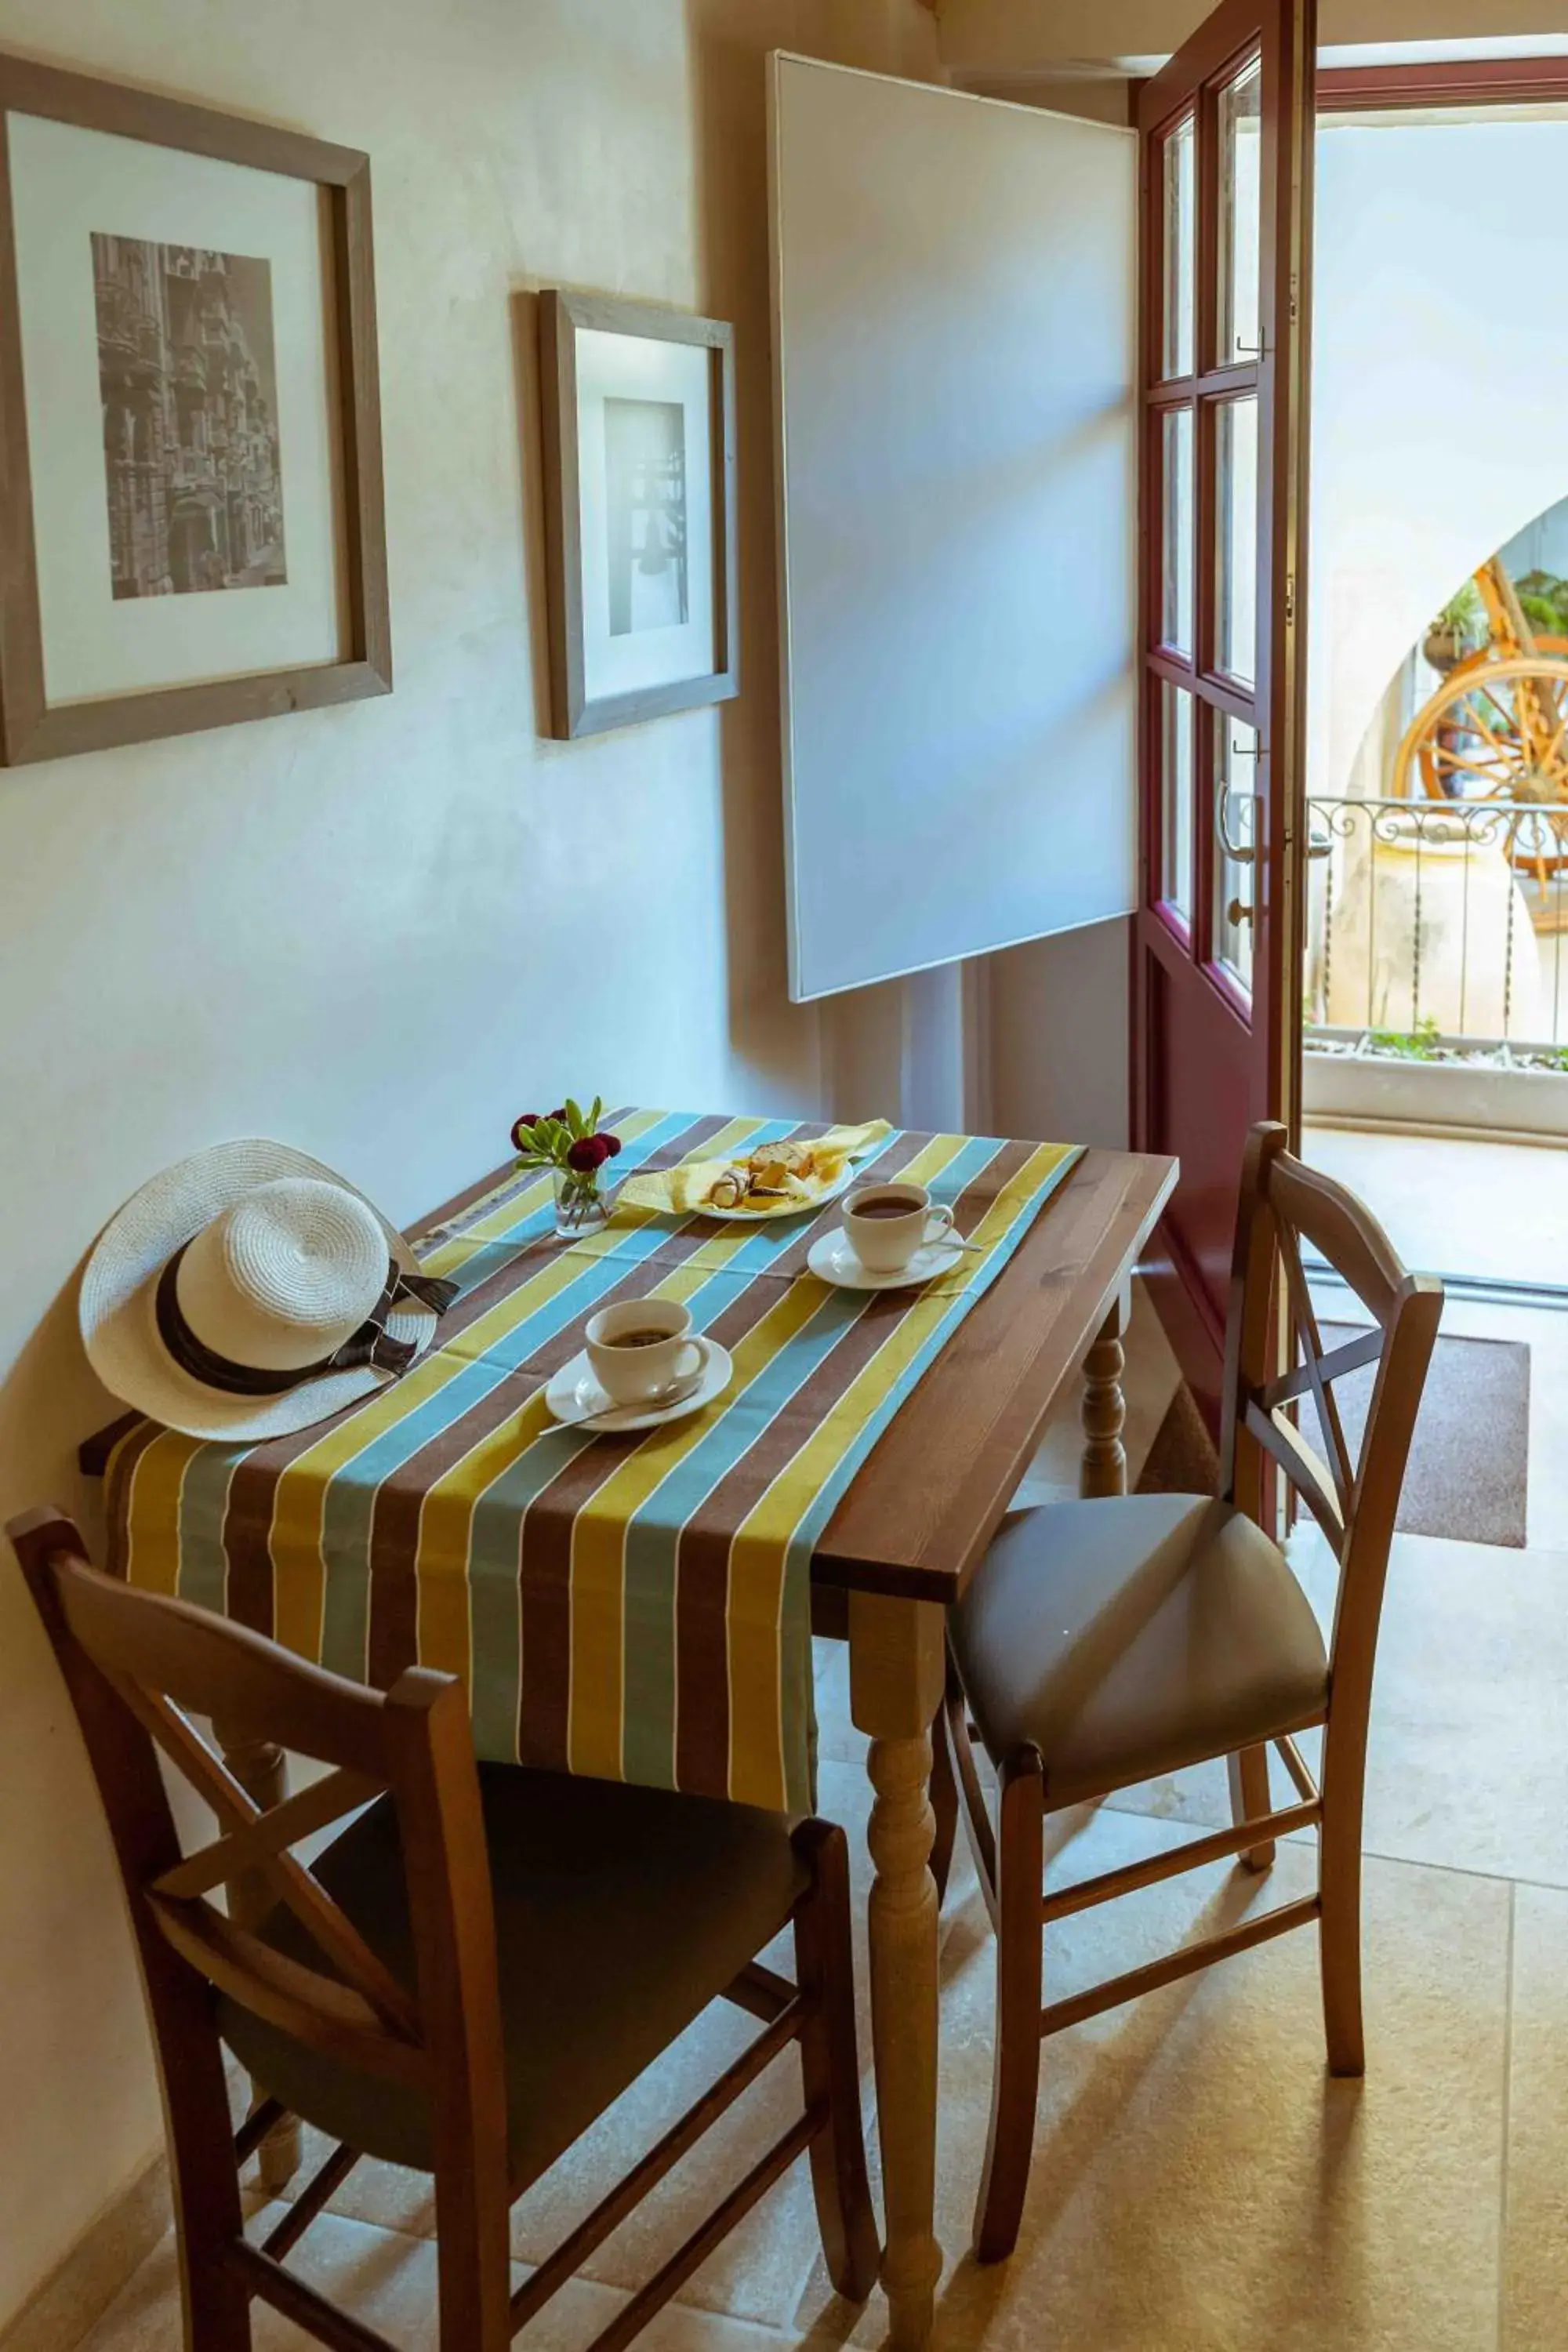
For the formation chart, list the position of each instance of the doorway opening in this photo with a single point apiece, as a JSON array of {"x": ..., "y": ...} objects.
[{"x": 1435, "y": 988}]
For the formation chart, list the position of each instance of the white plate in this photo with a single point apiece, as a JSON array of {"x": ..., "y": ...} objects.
[
  {"x": 779, "y": 1216},
  {"x": 831, "y": 1258},
  {"x": 573, "y": 1394}
]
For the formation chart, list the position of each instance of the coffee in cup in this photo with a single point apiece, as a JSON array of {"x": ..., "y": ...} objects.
[
  {"x": 641, "y": 1347},
  {"x": 887, "y": 1224}
]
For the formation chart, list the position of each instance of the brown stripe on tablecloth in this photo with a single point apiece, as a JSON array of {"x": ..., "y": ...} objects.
[
  {"x": 117, "y": 1490},
  {"x": 883, "y": 1164},
  {"x": 395, "y": 1523},
  {"x": 469, "y": 1198},
  {"x": 702, "y": 1549},
  {"x": 393, "y": 1595},
  {"x": 252, "y": 1494},
  {"x": 253, "y": 1483},
  {"x": 473, "y": 1194},
  {"x": 545, "y": 1540},
  {"x": 247, "y": 1520}
]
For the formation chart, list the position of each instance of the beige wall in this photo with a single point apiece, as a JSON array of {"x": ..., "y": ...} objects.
[{"x": 380, "y": 931}]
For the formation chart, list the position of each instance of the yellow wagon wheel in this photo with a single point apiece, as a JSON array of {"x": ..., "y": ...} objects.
[{"x": 1494, "y": 729}]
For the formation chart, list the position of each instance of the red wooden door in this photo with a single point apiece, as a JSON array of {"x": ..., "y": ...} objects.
[{"x": 1227, "y": 132}]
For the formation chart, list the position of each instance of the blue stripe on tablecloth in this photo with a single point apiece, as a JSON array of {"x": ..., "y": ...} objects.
[
  {"x": 653, "y": 1531},
  {"x": 348, "y": 1506}
]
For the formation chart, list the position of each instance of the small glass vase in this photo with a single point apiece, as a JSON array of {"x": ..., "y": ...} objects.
[{"x": 580, "y": 1203}]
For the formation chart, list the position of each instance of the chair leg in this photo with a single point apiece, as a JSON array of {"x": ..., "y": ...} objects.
[
  {"x": 216, "y": 2306},
  {"x": 1251, "y": 1799},
  {"x": 1015, "y": 2072},
  {"x": 944, "y": 1804},
  {"x": 830, "y": 2065},
  {"x": 1339, "y": 1928}
]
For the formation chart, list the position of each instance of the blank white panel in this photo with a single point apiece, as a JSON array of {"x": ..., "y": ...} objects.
[{"x": 954, "y": 285}]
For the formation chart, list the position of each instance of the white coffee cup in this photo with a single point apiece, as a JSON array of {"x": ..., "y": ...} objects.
[
  {"x": 633, "y": 1368},
  {"x": 887, "y": 1224}
]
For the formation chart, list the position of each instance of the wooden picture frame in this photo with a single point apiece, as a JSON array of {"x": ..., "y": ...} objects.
[
  {"x": 33, "y": 726},
  {"x": 577, "y": 708}
]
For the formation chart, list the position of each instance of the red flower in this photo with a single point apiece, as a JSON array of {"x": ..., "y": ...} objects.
[
  {"x": 589, "y": 1152},
  {"x": 522, "y": 1129},
  {"x": 560, "y": 1115},
  {"x": 612, "y": 1144}
]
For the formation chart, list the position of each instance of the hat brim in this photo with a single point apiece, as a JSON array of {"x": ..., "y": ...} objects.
[{"x": 118, "y": 1284}]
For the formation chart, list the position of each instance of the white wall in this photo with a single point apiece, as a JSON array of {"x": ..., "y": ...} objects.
[
  {"x": 380, "y": 931},
  {"x": 1435, "y": 436}
]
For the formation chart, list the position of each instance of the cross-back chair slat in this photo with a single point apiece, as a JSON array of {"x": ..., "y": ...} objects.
[
  {"x": 237, "y": 1961},
  {"x": 454, "y": 2091},
  {"x": 1106, "y": 1642},
  {"x": 1284, "y": 1202}
]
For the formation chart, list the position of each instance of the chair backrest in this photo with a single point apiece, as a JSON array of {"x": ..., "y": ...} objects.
[
  {"x": 138, "y": 1668},
  {"x": 1354, "y": 1501}
]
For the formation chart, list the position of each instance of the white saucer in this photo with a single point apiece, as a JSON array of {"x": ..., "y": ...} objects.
[
  {"x": 574, "y": 1395},
  {"x": 785, "y": 1209},
  {"x": 832, "y": 1259}
]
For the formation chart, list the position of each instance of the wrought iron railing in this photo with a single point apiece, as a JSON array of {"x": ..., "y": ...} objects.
[{"x": 1437, "y": 925}]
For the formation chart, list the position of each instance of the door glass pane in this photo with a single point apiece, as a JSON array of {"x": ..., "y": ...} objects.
[
  {"x": 1176, "y": 799},
  {"x": 1240, "y": 156},
  {"x": 1236, "y": 488},
  {"x": 1176, "y": 617},
  {"x": 1235, "y": 828},
  {"x": 1180, "y": 214}
]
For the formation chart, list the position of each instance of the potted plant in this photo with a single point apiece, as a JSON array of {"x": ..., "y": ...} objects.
[
  {"x": 576, "y": 1153},
  {"x": 1460, "y": 629}
]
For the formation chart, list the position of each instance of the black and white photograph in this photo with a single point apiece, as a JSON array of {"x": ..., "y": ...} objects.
[
  {"x": 194, "y": 335},
  {"x": 645, "y": 467},
  {"x": 187, "y": 376},
  {"x": 638, "y": 413}
]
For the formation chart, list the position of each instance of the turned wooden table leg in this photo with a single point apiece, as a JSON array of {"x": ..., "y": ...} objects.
[
  {"x": 1104, "y": 1470},
  {"x": 896, "y": 1670},
  {"x": 262, "y": 1770}
]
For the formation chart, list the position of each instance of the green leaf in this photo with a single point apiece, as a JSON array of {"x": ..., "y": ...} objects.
[
  {"x": 597, "y": 1114},
  {"x": 573, "y": 1118}
]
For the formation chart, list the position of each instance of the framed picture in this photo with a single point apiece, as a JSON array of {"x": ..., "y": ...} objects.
[
  {"x": 191, "y": 522},
  {"x": 639, "y": 486}
]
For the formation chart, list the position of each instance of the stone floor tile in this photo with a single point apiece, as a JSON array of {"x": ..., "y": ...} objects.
[
  {"x": 1535, "y": 2209},
  {"x": 1199, "y": 2184}
]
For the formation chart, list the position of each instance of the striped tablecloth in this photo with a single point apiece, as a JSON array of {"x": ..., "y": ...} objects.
[{"x": 636, "y": 1607}]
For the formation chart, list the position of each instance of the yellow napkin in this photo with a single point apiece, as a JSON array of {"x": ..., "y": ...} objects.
[{"x": 679, "y": 1190}]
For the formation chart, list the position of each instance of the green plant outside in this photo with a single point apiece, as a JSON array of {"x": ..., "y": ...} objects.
[{"x": 1419, "y": 1043}]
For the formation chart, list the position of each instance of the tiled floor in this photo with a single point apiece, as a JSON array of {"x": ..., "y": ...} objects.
[{"x": 1199, "y": 2184}]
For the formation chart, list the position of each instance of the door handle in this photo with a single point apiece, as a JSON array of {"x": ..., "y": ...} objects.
[{"x": 1240, "y": 853}]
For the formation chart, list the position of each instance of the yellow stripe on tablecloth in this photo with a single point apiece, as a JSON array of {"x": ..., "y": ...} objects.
[
  {"x": 760, "y": 1550},
  {"x": 445, "y": 1517},
  {"x": 757, "y": 1728},
  {"x": 153, "y": 1511},
  {"x": 599, "y": 1538},
  {"x": 300, "y": 1500},
  {"x": 599, "y": 1534},
  {"x": 450, "y": 1256}
]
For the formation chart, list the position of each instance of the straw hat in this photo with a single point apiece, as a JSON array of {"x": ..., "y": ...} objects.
[{"x": 249, "y": 1292}]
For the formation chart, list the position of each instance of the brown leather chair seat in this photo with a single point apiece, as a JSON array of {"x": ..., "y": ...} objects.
[
  {"x": 620, "y": 1914},
  {"x": 1129, "y": 1638}
]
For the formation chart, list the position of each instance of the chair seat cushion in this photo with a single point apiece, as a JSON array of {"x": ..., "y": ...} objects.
[
  {"x": 1130, "y": 1637},
  {"x": 620, "y": 1914}
]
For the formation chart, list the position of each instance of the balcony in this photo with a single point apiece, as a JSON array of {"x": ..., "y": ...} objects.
[{"x": 1435, "y": 985}]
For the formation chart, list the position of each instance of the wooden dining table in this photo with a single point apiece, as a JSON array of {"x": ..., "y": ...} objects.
[
  {"x": 909, "y": 1530},
  {"x": 896, "y": 1553}
]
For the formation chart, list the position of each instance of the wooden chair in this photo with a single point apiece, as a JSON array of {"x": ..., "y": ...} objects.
[
  {"x": 1103, "y": 1643},
  {"x": 473, "y": 1971}
]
